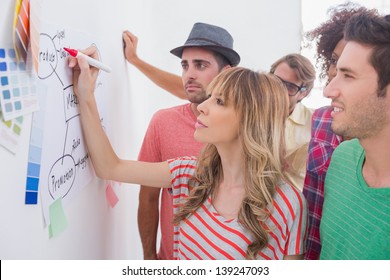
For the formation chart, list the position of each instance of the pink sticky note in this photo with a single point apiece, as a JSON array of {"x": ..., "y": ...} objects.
[{"x": 111, "y": 197}]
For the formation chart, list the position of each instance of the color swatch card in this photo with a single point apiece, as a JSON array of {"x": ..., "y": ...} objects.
[
  {"x": 22, "y": 29},
  {"x": 10, "y": 133},
  {"x": 18, "y": 94}
]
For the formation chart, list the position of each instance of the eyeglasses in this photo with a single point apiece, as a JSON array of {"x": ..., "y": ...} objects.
[{"x": 292, "y": 89}]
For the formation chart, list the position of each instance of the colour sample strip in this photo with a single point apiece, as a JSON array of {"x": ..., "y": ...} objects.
[
  {"x": 35, "y": 152},
  {"x": 18, "y": 95},
  {"x": 33, "y": 171},
  {"x": 22, "y": 29}
]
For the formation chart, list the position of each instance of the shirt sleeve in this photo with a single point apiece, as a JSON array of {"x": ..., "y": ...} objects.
[
  {"x": 321, "y": 146},
  {"x": 182, "y": 170}
]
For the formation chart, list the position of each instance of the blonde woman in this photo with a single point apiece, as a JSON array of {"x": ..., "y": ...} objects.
[{"x": 230, "y": 202}]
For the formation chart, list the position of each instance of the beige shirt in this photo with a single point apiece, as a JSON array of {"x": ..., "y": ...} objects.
[{"x": 298, "y": 133}]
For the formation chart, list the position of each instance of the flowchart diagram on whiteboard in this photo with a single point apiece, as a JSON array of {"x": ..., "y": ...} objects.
[{"x": 65, "y": 167}]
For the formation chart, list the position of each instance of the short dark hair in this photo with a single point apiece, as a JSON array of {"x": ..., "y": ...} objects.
[
  {"x": 222, "y": 61},
  {"x": 370, "y": 29}
]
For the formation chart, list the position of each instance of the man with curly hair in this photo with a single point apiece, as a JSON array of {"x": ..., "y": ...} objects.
[
  {"x": 330, "y": 42},
  {"x": 356, "y": 210}
]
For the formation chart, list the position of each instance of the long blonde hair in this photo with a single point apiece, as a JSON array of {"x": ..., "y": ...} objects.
[{"x": 261, "y": 103}]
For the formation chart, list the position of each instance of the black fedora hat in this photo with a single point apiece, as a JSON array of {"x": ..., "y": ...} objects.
[{"x": 211, "y": 37}]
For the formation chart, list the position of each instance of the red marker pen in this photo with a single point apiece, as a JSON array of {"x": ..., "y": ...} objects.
[{"x": 90, "y": 60}]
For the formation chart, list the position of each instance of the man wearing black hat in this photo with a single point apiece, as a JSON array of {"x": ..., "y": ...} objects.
[
  {"x": 207, "y": 51},
  {"x": 221, "y": 43}
]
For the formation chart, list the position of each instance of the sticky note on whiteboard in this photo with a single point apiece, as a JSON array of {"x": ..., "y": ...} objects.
[
  {"x": 111, "y": 197},
  {"x": 58, "y": 221}
]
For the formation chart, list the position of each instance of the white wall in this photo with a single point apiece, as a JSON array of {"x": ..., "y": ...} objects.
[{"x": 263, "y": 31}]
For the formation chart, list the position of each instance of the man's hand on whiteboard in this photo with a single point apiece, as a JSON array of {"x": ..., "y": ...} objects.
[
  {"x": 84, "y": 76},
  {"x": 130, "y": 46}
]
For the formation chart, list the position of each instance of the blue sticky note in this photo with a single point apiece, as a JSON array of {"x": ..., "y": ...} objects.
[
  {"x": 36, "y": 138},
  {"x": 19, "y": 119},
  {"x": 3, "y": 66},
  {"x": 11, "y": 53},
  {"x": 16, "y": 92},
  {"x": 22, "y": 66},
  {"x": 33, "y": 170},
  {"x": 4, "y": 80},
  {"x": 32, "y": 183},
  {"x": 8, "y": 107},
  {"x": 25, "y": 90},
  {"x": 31, "y": 198},
  {"x": 13, "y": 66},
  {"x": 18, "y": 105},
  {"x": 2, "y": 53},
  {"x": 14, "y": 79},
  {"x": 34, "y": 154},
  {"x": 6, "y": 94}
]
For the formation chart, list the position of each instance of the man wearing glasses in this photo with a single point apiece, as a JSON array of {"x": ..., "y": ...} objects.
[{"x": 298, "y": 75}]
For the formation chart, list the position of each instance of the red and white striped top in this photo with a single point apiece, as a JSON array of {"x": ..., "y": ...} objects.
[{"x": 207, "y": 235}]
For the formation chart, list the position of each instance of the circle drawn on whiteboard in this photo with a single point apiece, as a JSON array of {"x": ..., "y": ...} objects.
[
  {"x": 47, "y": 57},
  {"x": 61, "y": 177}
]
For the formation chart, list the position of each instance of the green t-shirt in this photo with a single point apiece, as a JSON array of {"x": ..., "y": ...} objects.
[{"x": 355, "y": 222}]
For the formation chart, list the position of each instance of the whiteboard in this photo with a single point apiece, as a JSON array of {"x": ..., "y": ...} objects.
[{"x": 91, "y": 221}]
